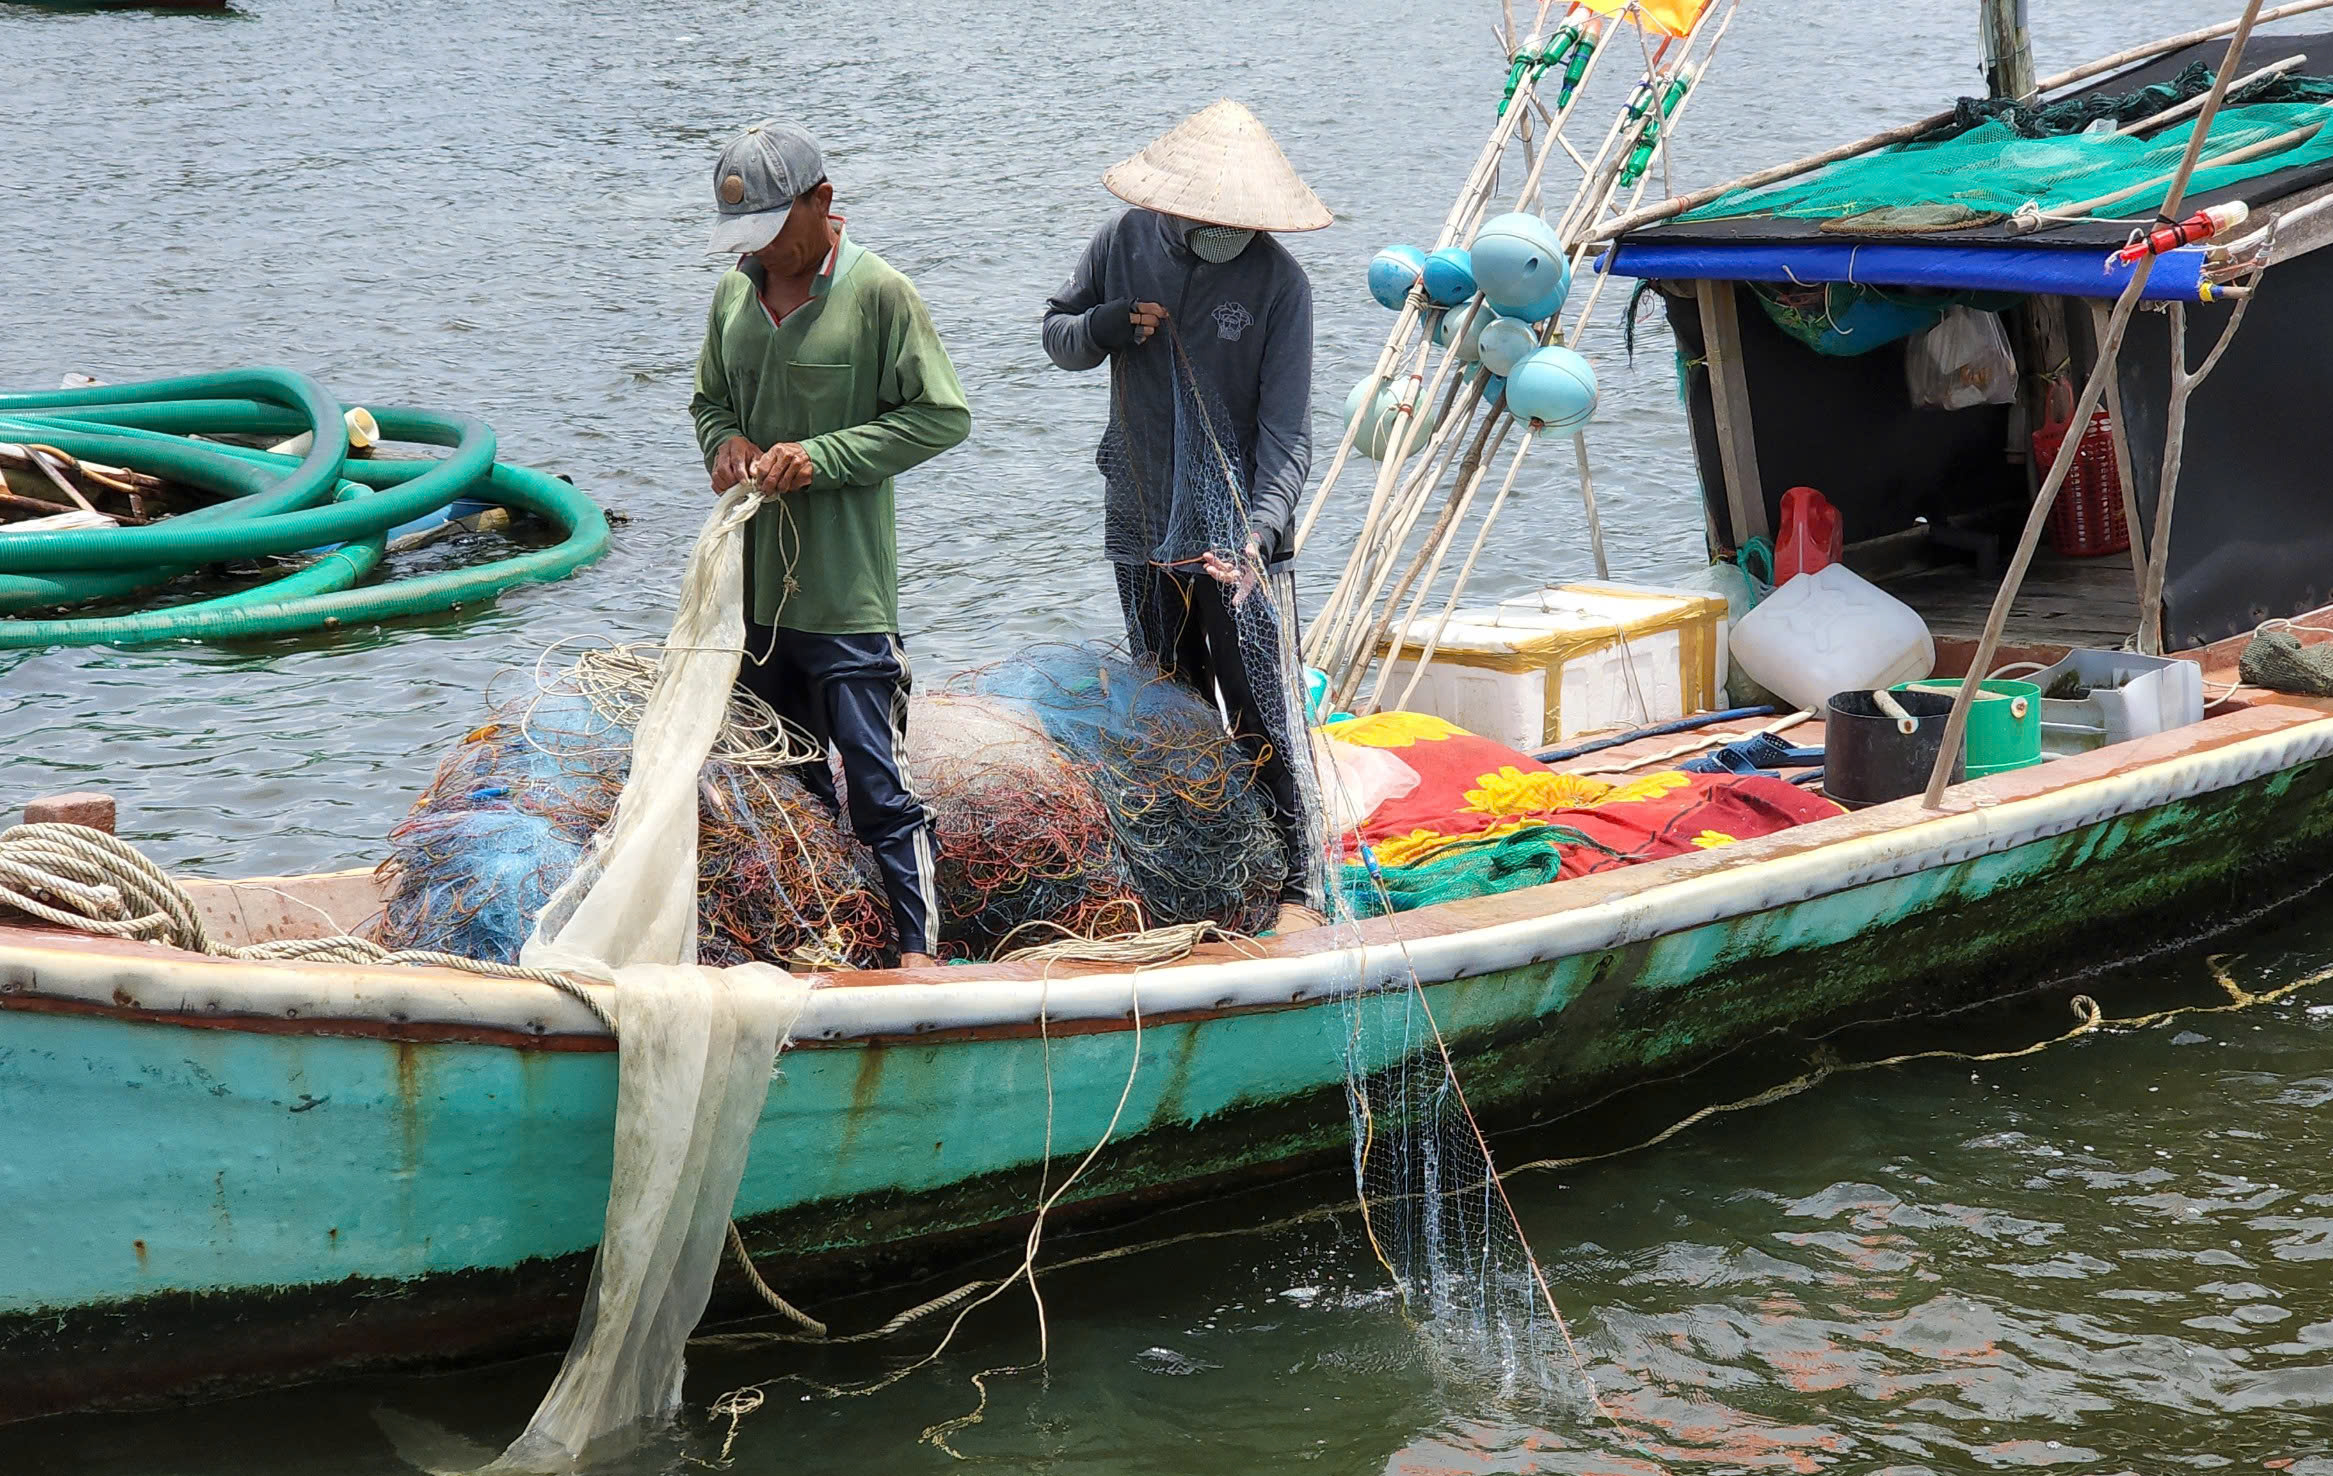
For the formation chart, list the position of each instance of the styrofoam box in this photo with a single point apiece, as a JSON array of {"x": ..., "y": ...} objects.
[{"x": 1571, "y": 659}]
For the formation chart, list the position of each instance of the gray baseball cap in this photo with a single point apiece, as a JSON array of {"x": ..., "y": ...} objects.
[{"x": 759, "y": 175}]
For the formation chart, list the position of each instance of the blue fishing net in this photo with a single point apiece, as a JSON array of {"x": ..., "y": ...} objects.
[
  {"x": 1076, "y": 790},
  {"x": 508, "y": 814},
  {"x": 1192, "y": 830}
]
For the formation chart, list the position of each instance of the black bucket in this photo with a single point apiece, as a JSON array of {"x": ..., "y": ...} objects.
[{"x": 1869, "y": 760}]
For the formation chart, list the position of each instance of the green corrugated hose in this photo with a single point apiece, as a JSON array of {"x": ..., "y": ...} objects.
[{"x": 274, "y": 505}]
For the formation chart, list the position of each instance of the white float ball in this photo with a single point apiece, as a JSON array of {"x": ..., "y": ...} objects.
[{"x": 1506, "y": 343}]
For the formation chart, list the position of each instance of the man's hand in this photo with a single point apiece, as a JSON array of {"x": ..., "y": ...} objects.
[
  {"x": 733, "y": 463},
  {"x": 785, "y": 467},
  {"x": 1244, "y": 576},
  {"x": 1148, "y": 318}
]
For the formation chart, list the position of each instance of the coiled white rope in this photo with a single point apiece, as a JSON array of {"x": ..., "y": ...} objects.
[{"x": 78, "y": 877}]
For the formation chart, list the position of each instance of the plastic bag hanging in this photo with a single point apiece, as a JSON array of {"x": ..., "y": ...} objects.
[{"x": 1962, "y": 362}]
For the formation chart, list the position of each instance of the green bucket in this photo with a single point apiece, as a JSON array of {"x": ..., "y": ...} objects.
[{"x": 2004, "y": 723}]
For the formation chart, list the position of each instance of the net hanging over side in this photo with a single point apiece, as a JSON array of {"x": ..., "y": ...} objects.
[
  {"x": 695, "y": 1045},
  {"x": 1430, "y": 1198},
  {"x": 1445, "y": 438}
]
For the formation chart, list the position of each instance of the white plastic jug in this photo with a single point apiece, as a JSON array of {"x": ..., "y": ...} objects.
[{"x": 1832, "y": 631}]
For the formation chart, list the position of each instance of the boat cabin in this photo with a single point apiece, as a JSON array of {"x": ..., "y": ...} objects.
[{"x": 1904, "y": 330}]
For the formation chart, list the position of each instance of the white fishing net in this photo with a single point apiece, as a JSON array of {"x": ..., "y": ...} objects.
[{"x": 695, "y": 1045}]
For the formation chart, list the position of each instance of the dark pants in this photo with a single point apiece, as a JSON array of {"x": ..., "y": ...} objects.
[
  {"x": 850, "y": 692},
  {"x": 1188, "y": 624}
]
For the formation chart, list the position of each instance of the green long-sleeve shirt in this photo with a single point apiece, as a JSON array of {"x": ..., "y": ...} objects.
[{"x": 857, "y": 375}]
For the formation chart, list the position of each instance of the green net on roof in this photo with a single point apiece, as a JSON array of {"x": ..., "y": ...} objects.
[
  {"x": 2073, "y": 114},
  {"x": 1991, "y": 170}
]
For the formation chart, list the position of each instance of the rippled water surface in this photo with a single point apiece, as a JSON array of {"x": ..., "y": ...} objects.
[{"x": 2112, "y": 1256}]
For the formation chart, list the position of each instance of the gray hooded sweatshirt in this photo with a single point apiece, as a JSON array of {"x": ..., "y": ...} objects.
[{"x": 1245, "y": 324}]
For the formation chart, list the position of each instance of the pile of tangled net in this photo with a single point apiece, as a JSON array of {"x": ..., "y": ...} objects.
[
  {"x": 508, "y": 814},
  {"x": 1072, "y": 791},
  {"x": 1190, "y": 836}
]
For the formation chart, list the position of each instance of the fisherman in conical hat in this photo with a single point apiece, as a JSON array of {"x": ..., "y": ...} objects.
[{"x": 1206, "y": 322}]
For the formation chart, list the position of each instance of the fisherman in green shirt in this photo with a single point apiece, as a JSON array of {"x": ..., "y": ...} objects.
[{"x": 820, "y": 380}]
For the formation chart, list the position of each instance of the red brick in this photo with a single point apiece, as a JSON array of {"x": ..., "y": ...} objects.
[{"x": 83, "y": 808}]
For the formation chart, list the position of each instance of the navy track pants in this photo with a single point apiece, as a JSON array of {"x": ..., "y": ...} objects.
[{"x": 850, "y": 692}]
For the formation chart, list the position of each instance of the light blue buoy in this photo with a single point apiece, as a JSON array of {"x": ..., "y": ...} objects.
[
  {"x": 1506, "y": 343},
  {"x": 1521, "y": 267},
  {"x": 1555, "y": 387},
  {"x": 1450, "y": 277},
  {"x": 1378, "y": 416},
  {"x": 1493, "y": 386},
  {"x": 1393, "y": 271},
  {"x": 1476, "y": 319}
]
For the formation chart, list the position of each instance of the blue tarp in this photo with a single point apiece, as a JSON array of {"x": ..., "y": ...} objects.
[{"x": 2050, "y": 270}]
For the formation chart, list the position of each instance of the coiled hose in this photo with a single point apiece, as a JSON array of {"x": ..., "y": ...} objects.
[{"x": 271, "y": 504}]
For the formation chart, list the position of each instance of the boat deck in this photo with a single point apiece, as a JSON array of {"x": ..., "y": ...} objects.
[{"x": 2091, "y": 603}]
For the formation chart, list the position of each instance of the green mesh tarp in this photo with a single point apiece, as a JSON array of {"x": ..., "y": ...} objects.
[
  {"x": 2086, "y": 109},
  {"x": 1471, "y": 868},
  {"x": 1991, "y": 170}
]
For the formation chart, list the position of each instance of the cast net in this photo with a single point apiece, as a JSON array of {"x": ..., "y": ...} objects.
[
  {"x": 1176, "y": 503},
  {"x": 1429, "y": 1197}
]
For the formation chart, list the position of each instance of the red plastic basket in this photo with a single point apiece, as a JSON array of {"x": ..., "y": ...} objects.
[{"x": 2087, "y": 520}]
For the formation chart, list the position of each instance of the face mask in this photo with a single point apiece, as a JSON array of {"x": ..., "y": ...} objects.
[{"x": 1219, "y": 244}]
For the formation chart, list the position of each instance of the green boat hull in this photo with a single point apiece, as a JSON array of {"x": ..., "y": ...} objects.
[{"x": 204, "y": 1206}]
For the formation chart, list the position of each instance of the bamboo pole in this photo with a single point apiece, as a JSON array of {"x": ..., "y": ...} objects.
[
  {"x": 2122, "y": 461},
  {"x": 1393, "y": 509},
  {"x": 1438, "y": 544},
  {"x": 1956, "y": 726},
  {"x": 1465, "y": 571},
  {"x": 2291, "y": 139},
  {"x": 1530, "y": 190},
  {"x": 2183, "y": 383},
  {"x": 1588, "y": 503},
  {"x": 1363, "y": 624},
  {"x": 1667, "y": 209},
  {"x": 1480, "y": 177},
  {"x": 1389, "y": 551}
]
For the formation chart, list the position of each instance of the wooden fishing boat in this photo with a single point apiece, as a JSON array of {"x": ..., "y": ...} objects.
[
  {"x": 125, "y": 4},
  {"x": 222, "y": 1173}
]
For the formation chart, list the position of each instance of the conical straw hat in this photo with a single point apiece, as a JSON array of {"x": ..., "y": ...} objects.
[{"x": 1219, "y": 166}]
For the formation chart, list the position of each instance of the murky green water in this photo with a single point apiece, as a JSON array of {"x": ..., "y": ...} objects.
[{"x": 2112, "y": 1256}]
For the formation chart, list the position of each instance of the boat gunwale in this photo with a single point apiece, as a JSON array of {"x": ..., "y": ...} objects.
[{"x": 56, "y": 971}]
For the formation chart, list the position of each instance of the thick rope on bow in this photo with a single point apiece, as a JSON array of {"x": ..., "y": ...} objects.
[{"x": 86, "y": 879}]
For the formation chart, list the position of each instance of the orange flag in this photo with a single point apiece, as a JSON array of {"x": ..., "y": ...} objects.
[{"x": 1662, "y": 17}]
